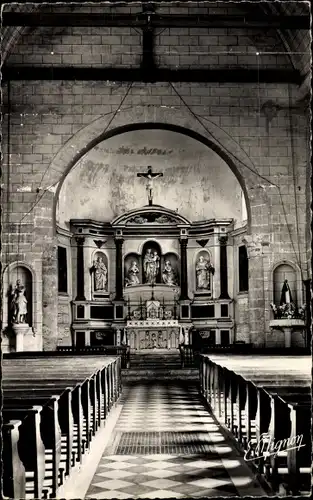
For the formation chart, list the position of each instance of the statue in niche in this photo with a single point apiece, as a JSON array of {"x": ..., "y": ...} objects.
[
  {"x": 169, "y": 275},
  {"x": 19, "y": 304},
  {"x": 285, "y": 294},
  {"x": 151, "y": 265},
  {"x": 203, "y": 271},
  {"x": 100, "y": 274},
  {"x": 132, "y": 275}
]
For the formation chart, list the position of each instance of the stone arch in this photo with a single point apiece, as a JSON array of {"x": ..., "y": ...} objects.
[{"x": 153, "y": 117}]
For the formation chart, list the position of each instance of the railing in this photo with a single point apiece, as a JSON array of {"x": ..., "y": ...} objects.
[{"x": 189, "y": 357}]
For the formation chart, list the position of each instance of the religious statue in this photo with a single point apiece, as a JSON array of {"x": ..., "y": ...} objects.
[
  {"x": 101, "y": 274},
  {"x": 169, "y": 275},
  {"x": 150, "y": 176},
  {"x": 203, "y": 270},
  {"x": 151, "y": 265},
  {"x": 285, "y": 294},
  {"x": 132, "y": 275},
  {"x": 19, "y": 304}
]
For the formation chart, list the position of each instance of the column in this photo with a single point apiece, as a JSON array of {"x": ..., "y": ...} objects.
[
  {"x": 184, "y": 272},
  {"x": 119, "y": 268},
  {"x": 80, "y": 240},
  {"x": 223, "y": 267},
  {"x": 256, "y": 289}
]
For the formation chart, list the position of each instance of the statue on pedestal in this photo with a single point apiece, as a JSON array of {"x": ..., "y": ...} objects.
[
  {"x": 151, "y": 264},
  {"x": 19, "y": 304},
  {"x": 100, "y": 274},
  {"x": 169, "y": 275},
  {"x": 132, "y": 275},
  {"x": 203, "y": 271}
]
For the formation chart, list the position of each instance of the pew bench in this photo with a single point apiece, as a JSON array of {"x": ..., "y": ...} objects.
[
  {"x": 69, "y": 406},
  {"x": 260, "y": 406}
]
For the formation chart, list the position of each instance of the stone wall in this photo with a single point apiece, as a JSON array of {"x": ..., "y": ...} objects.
[{"x": 260, "y": 130}]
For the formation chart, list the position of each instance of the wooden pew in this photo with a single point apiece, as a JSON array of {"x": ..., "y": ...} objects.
[
  {"x": 13, "y": 470},
  {"x": 76, "y": 411},
  {"x": 261, "y": 406},
  {"x": 31, "y": 449},
  {"x": 299, "y": 461}
]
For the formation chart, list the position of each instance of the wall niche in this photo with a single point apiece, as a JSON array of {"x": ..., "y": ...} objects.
[{"x": 281, "y": 273}]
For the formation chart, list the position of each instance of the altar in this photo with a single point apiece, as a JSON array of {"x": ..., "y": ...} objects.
[{"x": 153, "y": 327}]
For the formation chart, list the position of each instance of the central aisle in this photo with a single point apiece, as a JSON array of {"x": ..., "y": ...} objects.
[{"x": 165, "y": 444}]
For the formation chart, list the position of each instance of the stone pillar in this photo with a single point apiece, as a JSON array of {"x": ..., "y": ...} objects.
[
  {"x": 80, "y": 268},
  {"x": 223, "y": 267},
  {"x": 255, "y": 245},
  {"x": 119, "y": 268},
  {"x": 216, "y": 278},
  {"x": 50, "y": 297},
  {"x": 184, "y": 272}
]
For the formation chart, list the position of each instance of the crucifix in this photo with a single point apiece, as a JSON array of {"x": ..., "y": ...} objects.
[{"x": 150, "y": 176}]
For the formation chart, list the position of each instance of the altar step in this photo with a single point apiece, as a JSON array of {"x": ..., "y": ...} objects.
[
  {"x": 158, "y": 365},
  {"x": 132, "y": 375}
]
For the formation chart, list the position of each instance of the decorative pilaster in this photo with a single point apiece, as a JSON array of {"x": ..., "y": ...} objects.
[
  {"x": 118, "y": 335},
  {"x": 223, "y": 267},
  {"x": 80, "y": 240},
  {"x": 119, "y": 267},
  {"x": 184, "y": 271}
]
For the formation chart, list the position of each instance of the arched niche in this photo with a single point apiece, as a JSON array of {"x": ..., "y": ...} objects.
[
  {"x": 24, "y": 274},
  {"x": 153, "y": 249},
  {"x": 203, "y": 272},
  {"x": 132, "y": 270},
  {"x": 173, "y": 260},
  {"x": 99, "y": 273},
  {"x": 282, "y": 272}
]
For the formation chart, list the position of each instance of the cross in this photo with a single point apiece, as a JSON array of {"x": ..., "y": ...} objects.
[{"x": 150, "y": 176}]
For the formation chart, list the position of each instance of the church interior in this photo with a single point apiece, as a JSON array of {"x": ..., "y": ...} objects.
[{"x": 156, "y": 249}]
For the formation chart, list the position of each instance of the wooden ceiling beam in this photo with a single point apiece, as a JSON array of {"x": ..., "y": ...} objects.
[
  {"x": 238, "y": 75},
  {"x": 154, "y": 20}
]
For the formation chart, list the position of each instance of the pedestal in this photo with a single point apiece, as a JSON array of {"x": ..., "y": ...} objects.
[
  {"x": 24, "y": 338},
  {"x": 287, "y": 326},
  {"x": 287, "y": 332}
]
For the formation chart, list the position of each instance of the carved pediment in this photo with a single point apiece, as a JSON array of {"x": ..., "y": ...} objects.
[{"x": 152, "y": 215}]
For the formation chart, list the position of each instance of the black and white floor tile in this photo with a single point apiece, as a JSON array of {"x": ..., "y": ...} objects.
[{"x": 166, "y": 445}]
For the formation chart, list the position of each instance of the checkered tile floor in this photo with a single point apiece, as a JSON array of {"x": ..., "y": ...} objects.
[{"x": 157, "y": 411}]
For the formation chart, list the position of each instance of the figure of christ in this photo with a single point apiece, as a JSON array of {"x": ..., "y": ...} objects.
[{"x": 150, "y": 176}]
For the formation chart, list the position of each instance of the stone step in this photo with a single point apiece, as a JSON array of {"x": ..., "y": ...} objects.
[{"x": 161, "y": 374}]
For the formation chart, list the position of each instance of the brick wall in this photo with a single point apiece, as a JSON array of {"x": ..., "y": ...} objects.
[{"x": 50, "y": 122}]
